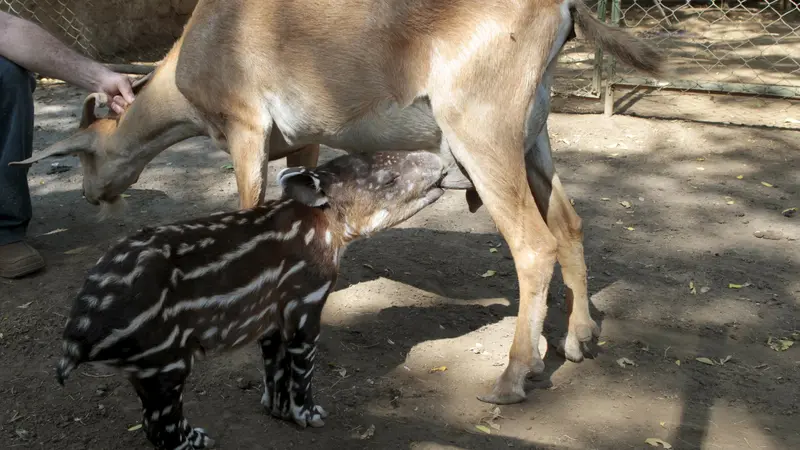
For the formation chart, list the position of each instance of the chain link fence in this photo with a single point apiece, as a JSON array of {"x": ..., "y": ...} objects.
[
  {"x": 716, "y": 46},
  {"x": 110, "y": 31},
  {"x": 726, "y": 46}
]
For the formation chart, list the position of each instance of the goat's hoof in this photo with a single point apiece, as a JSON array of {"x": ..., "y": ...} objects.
[
  {"x": 505, "y": 398},
  {"x": 577, "y": 344}
]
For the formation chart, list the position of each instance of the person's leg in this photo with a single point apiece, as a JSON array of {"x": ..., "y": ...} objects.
[{"x": 17, "y": 258}]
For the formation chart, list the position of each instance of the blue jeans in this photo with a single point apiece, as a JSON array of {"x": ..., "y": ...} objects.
[{"x": 16, "y": 143}]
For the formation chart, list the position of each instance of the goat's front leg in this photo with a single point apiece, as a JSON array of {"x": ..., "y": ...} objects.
[{"x": 248, "y": 145}]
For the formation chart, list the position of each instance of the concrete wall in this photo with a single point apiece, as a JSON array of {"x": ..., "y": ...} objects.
[{"x": 110, "y": 30}]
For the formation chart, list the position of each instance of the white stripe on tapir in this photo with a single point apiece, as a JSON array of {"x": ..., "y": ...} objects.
[
  {"x": 225, "y": 300},
  {"x": 317, "y": 295},
  {"x": 107, "y": 278},
  {"x": 135, "y": 324},
  {"x": 294, "y": 269},
  {"x": 164, "y": 345},
  {"x": 273, "y": 307},
  {"x": 243, "y": 250}
]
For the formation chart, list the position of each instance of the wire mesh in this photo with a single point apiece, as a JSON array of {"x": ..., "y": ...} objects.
[
  {"x": 734, "y": 46},
  {"x": 111, "y": 31}
]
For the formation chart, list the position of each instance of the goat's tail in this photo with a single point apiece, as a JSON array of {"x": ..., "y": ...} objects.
[
  {"x": 624, "y": 46},
  {"x": 72, "y": 356}
]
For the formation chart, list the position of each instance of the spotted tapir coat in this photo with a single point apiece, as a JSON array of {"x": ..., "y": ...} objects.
[{"x": 166, "y": 294}]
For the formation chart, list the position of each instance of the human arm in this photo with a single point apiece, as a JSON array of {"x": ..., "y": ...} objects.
[{"x": 33, "y": 48}]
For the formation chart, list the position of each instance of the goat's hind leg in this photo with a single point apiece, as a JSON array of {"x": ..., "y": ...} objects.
[
  {"x": 162, "y": 409},
  {"x": 563, "y": 222}
]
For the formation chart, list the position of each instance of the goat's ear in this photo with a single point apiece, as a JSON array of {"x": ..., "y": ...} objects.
[
  {"x": 139, "y": 83},
  {"x": 80, "y": 142},
  {"x": 303, "y": 185},
  {"x": 89, "y": 103}
]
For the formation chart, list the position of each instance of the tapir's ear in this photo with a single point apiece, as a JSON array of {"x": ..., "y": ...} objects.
[{"x": 303, "y": 185}]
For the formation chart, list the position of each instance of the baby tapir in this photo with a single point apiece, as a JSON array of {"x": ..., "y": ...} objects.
[{"x": 164, "y": 294}]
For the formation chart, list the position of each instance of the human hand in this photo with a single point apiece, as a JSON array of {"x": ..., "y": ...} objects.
[{"x": 118, "y": 89}]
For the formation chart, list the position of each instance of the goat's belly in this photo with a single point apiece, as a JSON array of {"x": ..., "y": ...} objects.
[{"x": 388, "y": 128}]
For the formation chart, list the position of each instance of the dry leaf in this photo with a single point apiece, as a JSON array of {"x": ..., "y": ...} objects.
[
  {"x": 678, "y": 362},
  {"x": 135, "y": 427},
  {"x": 625, "y": 203},
  {"x": 630, "y": 228},
  {"x": 737, "y": 286},
  {"x": 601, "y": 343},
  {"x": 704, "y": 289},
  {"x": 368, "y": 266},
  {"x": 791, "y": 120},
  {"x": 369, "y": 433},
  {"x": 739, "y": 177},
  {"x": 701, "y": 168},
  {"x": 779, "y": 345},
  {"x": 572, "y": 202},
  {"x": 692, "y": 288},
  {"x": 25, "y": 306},
  {"x": 391, "y": 342},
  {"x": 492, "y": 250},
  {"x": 663, "y": 424},
  {"x": 705, "y": 360},
  {"x": 723, "y": 361},
  {"x": 483, "y": 428},
  {"x": 124, "y": 195},
  {"x": 766, "y": 184},
  {"x": 789, "y": 212},
  {"x": 489, "y": 273},
  {"x": 655, "y": 442},
  {"x": 227, "y": 167},
  {"x": 342, "y": 371},
  {"x": 605, "y": 199},
  {"x": 76, "y": 251},
  {"x": 700, "y": 159},
  {"x": 624, "y": 362},
  {"x": 730, "y": 202},
  {"x": 59, "y": 230},
  {"x": 438, "y": 369},
  {"x": 496, "y": 426}
]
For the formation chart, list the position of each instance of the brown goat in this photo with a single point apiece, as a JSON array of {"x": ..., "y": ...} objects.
[{"x": 471, "y": 77}]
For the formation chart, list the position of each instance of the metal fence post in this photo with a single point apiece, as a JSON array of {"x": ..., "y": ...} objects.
[
  {"x": 597, "y": 75},
  {"x": 608, "y": 109}
]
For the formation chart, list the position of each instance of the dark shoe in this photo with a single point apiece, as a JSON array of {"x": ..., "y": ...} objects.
[{"x": 19, "y": 259}]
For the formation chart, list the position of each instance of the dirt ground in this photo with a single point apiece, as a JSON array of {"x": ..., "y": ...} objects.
[{"x": 413, "y": 299}]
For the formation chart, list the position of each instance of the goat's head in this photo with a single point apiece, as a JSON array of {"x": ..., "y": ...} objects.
[
  {"x": 106, "y": 174},
  {"x": 368, "y": 192}
]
